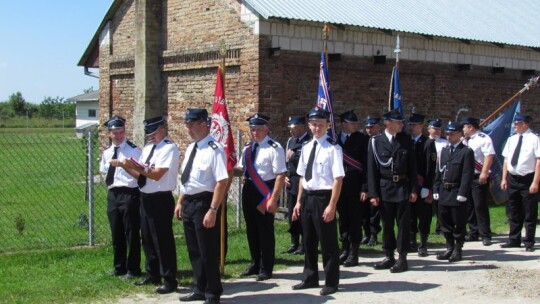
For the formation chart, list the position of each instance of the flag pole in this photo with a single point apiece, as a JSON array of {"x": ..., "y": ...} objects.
[
  {"x": 222, "y": 234},
  {"x": 326, "y": 30},
  {"x": 397, "y": 50},
  {"x": 533, "y": 82}
]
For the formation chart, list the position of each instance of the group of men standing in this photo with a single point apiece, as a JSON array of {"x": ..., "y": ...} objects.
[{"x": 394, "y": 176}]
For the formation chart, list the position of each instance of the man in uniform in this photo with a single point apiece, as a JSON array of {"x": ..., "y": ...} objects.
[
  {"x": 299, "y": 136},
  {"x": 484, "y": 153},
  {"x": 521, "y": 175},
  {"x": 434, "y": 131},
  {"x": 354, "y": 190},
  {"x": 371, "y": 219},
  {"x": 321, "y": 169},
  {"x": 157, "y": 172},
  {"x": 392, "y": 184},
  {"x": 123, "y": 201},
  {"x": 203, "y": 185},
  {"x": 421, "y": 211},
  {"x": 453, "y": 179},
  {"x": 263, "y": 164}
]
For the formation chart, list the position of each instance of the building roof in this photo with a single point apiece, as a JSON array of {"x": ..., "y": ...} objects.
[
  {"x": 493, "y": 21},
  {"x": 91, "y": 96}
]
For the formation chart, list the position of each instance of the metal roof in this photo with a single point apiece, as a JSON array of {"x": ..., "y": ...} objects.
[
  {"x": 90, "y": 96},
  {"x": 494, "y": 21}
]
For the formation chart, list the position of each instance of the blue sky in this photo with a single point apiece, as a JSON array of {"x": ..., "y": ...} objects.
[{"x": 41, "y": 44}]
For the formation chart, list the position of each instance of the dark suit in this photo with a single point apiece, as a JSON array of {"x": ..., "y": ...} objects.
[
  {"x": 421, "y": 211},
  {"x": 392, "y": 177},
  {"x": 349, "y": 205},
  {"x": 454, "y": 176}
]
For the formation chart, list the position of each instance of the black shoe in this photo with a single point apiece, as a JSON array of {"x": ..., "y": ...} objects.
[
  {"x": 486, "y": 241},
  {"x": 456, "y": 256},
  {"x": 291, "y": 249},
  {"x": 372, "y": 241},
  {"x": 211, "y": 301},
  {"x": 529, "y": 248},
  {"x": 445, "y": 255},
  {"x": 250, "y": 271},
  {"x": 192, "y": 297},
  {"x": 422, "y": 252},
  {"x": 510, "y": 245},
  {"x": 365, "y": 240},
  {"x": 326, "y": 290},
  {"x": 387, "y": 263},
  {"x": 471, "y": 238},
  {"x": 343, "y": 257},
  {"x": 133, "y": 275},
  {"x": 400, "y": 266},
  {"x": 300, "y": 250},
  {"x": 305, "y": 285},
  {"x": 148, "y": 281},
  {"x": 263, "y": 277},
  {"x": 166, "y": 288},
  {"x": 351, "y": 261}
]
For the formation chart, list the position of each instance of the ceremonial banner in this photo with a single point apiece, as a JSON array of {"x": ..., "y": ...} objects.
[
  {"x": 395, "y": 92},
  {"x": 324, "y": 97}
]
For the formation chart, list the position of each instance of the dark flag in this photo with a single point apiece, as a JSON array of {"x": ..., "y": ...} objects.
[{"x": 324, "y": 97}]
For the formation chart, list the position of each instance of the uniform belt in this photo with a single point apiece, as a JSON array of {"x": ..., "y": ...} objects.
[
  {"x": 198, "y": 195},
  {"x": 318, "y": 192},
  {"x": 448, "y": 186},
  {"x": 124, "y": 189},
  {"x": 395, "y": 178}
]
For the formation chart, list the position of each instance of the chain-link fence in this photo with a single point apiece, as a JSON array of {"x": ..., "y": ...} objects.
[{"x": 51, "y": 192}]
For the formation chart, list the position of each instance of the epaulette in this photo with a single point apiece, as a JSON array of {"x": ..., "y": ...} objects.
[
  {"x": 168, "y": 141},
  {"x": 272, "y": 143},
  {"x": 331, "y": 141},
  {"x": 481, "y": 134},
  {"x": 212, "y": 145},
  {"x": 131, "y": 144}
]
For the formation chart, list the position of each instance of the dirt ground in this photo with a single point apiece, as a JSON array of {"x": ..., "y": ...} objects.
[{"x": 486, "y": 275}]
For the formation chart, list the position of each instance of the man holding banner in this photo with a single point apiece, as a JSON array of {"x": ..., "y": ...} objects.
[{"x": 264, "y": 169}]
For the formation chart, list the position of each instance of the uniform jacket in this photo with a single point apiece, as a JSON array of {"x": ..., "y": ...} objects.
[
  {"x": 381, "y": 169},
  {"x": 356, "y": 147},
  {"x": 454, "y": 175},
  {"x": 292, "y": 164},
  {"x": 426, "y": 157}
]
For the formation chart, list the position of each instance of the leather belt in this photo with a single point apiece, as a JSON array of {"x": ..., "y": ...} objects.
[
  {"x": 318, "y": 192},
  {"x": 449, "y": 186},
  {"x": 198, "y": 195},
  {"x": 395, "y": 178}
]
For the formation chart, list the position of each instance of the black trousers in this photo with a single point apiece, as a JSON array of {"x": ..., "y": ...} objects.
[
  {"x": 157, "y": 210},
  {"x": 453, "y": 221},
  {"x": 421, "y": 214},
  {"x": 202, "y": 245},
  {"x": 396, "y": 213},
  {"x": 349, "y": 209},
  {"x": 315, "y": 231},
  {"x": 295, "y": 228},
  {"x": 259, "y": 229},
  {"x": 478, "y": 211},
  {"x": 522, "y": 209},
  {"x": 123, "y": 206}
]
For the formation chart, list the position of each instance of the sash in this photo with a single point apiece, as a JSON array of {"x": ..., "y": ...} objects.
[
  {"x": 352, "y": 162},
  {"x": 257, "y": 181}
]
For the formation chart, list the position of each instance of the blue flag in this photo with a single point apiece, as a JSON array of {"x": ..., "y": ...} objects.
[
  {"x": 395, "y": 92},
  {"x": 499, "y": 130},
  {"x": 324, "y": 97}
]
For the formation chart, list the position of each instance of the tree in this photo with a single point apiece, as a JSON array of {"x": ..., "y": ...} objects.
[{"x": 17, "y": 103}]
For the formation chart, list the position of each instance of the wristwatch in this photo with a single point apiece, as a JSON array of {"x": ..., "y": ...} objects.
[{"x": 213, "y": 209}]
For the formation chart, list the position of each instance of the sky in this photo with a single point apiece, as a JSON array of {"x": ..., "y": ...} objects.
[{"x": 41, "y": 44}]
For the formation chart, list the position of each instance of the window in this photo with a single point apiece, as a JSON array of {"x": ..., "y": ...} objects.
[{"x": 92, "y": 113}]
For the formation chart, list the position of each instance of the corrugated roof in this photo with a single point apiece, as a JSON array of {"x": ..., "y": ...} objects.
[
  {"x": 495, "y": 21},
  {"x": 91, "y": 96}
]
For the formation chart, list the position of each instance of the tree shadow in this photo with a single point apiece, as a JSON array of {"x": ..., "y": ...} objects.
[{"x": 386, "y": 286}]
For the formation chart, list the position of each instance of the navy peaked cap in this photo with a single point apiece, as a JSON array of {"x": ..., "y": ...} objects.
[
  {"x": 416, "y": 118},
  {"x": 522, "y": 118},
  {"x": 471, "y": 121},
  {"x": 453, "y": 127},
  {"x": 116, "y": 122},
  {"x": 435, "y": 123},
  {"x": 258, "y": 119},
  {"x": 318, "y": 113},
  {"x": 370, "y": 121},
  {"x": 349, "y": 116},
  {"x": 194, "y": 114},
  {"x": 393, "y": 115},
  {"x": 296, "y": 120},
  {"x": 151, "y": 125}
]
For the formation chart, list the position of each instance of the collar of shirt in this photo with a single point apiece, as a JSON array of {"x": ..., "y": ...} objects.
[
  {"x": 389, "y": 136},
  {"x": 415, "y": 138},
  {"x": 204, "y": 142},
  {"x": 301, "y": 136},
  {"x": 322, "y": 139}
]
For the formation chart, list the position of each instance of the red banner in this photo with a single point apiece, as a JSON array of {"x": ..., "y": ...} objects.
[{"x": 221, "y": 125}]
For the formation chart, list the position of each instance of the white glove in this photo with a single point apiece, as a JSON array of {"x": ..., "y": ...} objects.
[
  {"x": 424, "y": 192},
  {"x": 461, "y": 198},
  {"x": 435, "y": 196}
]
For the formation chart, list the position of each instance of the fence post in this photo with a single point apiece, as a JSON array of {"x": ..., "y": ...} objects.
[
  {"x": 238, "y": 179},
  {"x": 90, "y": 177}
]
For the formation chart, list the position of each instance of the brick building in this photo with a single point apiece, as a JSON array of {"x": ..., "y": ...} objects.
[{"x": 160, "y": 56}]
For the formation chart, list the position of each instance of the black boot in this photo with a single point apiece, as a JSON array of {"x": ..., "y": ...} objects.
[
  {"x": 352, "y": 259},
  {"x": 448, "y": 252},
  {"x": 401, "y": 264},
  {"x": 294, "y": 244},
  {"x": 388, "y": 261},
  {"x": 422, "y": 249},
  {"x": 456, "y": 254},
  {"x": 345, "y": 252},
  {"x": 413, "y": 244}
]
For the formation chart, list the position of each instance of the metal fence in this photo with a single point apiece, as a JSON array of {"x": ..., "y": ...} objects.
[{"x": 52, "y": 195}]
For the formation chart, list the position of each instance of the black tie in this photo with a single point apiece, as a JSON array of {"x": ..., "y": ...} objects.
[
  {"x": 346, "y": 138},
  {"x": 311, "y": 159},
  {"x": 141, "y": 181},
  {"x": 185, "y": 174},
  {"x": 109, "y": 179},
  {"x": 515, "y": 157}
]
